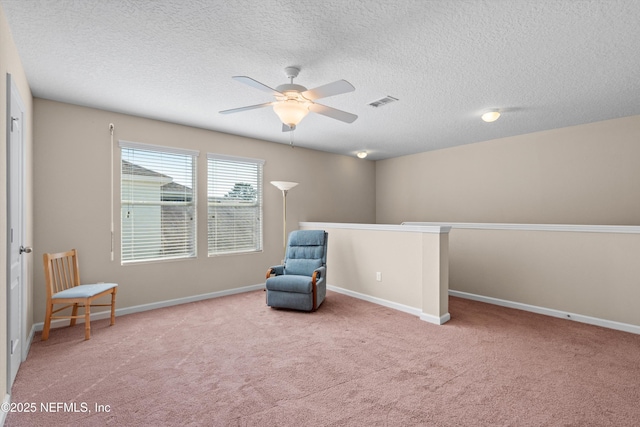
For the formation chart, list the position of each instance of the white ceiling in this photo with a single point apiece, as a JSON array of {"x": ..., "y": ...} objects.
[{"x": 545, "y": 63}]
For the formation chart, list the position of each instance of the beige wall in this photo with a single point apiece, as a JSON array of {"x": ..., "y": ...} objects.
[
  {"x": 72, "y": 200},
  {"x": 584, "y": 174},
  {"x": 10, "y": 63},
  {"x": 593, "y": 274},
  {"x": 413, "y": 263}
]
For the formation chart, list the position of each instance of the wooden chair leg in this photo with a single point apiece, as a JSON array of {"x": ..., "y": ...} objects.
[
  {"x": 74, "y": 313},
  {"x": 47, "y": 322},
  {"x": 314, "y": 290},
  {"x": 113, "y": 306},
  {"x": 87, "y": 322}
]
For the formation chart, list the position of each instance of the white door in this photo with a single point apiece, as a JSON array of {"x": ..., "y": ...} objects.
[{"x": 15, "y": 230}]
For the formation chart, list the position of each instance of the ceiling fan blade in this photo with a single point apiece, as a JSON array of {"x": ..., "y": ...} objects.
[
  {"x": 256, "y": 84},
  {"x": 249, "y": 107},
  {"x": 334, "y": 113},
  {"x": 287, "y": 128},
  {"x": 330, "y": 89}
]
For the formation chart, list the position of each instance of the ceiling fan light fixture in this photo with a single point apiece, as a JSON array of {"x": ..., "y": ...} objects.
[
  {"x": 491, "y": 116},
  {"x": 293, "y": 102},
  {"x": 290, "y": 111}
]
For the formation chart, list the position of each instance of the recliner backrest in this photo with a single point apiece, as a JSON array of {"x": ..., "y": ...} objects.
[{"x": 306, "y": 251}]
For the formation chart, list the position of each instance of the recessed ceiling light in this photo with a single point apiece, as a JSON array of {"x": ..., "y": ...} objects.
[
  {"x": 361, "y": 154},
  {"x": 491, "y": 116}
]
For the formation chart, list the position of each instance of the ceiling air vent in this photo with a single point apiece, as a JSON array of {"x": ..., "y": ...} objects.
[{"x": 383, "y": 101}]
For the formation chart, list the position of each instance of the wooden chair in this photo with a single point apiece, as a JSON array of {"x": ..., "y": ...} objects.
[{"x": 62, "y": 278}]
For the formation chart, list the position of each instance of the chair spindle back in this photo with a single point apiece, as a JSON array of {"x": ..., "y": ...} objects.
[{"x": 61, "y": 271}]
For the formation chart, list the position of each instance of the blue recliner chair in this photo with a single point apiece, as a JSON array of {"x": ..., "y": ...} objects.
[{"x": 300, "y": 284}]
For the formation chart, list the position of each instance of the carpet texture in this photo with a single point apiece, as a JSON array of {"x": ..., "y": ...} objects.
[{"x": 232, "y": 361}]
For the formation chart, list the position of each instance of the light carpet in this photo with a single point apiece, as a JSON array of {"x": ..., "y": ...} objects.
[{"x": 232, "y": 361}]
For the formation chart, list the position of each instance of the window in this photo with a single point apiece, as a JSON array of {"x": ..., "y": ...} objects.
[
  {"x": 158, "y": 202},
  {"x": 234, "y": 204}
]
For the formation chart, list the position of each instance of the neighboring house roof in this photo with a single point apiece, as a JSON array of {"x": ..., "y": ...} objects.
[
  {"x": 176, "y": 192},
  {"x": 129, "y": 168},
  {"x": 171, "y": 191}
]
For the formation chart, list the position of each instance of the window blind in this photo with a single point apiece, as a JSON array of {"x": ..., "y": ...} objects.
[
  {"x": 158, "y": 203},
  {"x": 234, "y": 217}
]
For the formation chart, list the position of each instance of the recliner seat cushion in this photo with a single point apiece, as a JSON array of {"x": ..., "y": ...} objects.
[{"x": 290, "y": 283}]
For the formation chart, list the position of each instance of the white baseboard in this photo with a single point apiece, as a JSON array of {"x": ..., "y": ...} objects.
[
  {"x": 394, "y": 305},
  {"x": 27, "y": 347},
  {"x": 375, "y": 300},
  {"x": 625, "y": 327},
  {"x": 435, "y": 319},
  {"x": 152, "y": 306},
  {"x": 550, "y": 312}
]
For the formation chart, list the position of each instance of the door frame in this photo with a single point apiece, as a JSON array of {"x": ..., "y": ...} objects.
[{"x": 13, "y": 95}]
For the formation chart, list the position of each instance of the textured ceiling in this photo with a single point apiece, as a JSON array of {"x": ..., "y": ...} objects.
[{"x": 545, "y": 63}]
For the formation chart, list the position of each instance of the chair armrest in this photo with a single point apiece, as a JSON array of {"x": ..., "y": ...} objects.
[
  {"x": 318, "y": 274},
  {"x": 276, "y": 269}
]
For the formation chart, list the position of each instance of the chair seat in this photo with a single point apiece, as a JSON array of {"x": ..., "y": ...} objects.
[
  {"x": 84, "y": 291},
  {"x": 290, "y": 283}
]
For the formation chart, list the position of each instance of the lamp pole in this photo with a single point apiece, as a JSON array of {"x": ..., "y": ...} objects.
[{"x": 284, "y": 186}]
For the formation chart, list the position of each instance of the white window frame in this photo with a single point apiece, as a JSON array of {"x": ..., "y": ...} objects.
[
  {"x": 221, "y": 238},
  {"x": 146, "y": 193}
]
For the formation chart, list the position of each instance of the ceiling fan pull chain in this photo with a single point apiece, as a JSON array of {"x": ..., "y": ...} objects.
[{"x": 291, "y": 137}]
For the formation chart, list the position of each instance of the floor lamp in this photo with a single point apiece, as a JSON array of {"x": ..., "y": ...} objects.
[{"x": 284, "y": 186}]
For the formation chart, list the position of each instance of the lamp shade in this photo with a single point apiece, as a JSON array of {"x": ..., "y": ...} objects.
[
  {"x": 284, "y": 185},
  {"x": 291, "y": 111}
]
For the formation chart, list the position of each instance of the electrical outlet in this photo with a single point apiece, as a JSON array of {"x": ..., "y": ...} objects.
[{"x": 379, "y": 276}]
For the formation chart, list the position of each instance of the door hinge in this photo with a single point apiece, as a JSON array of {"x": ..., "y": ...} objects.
[{"x": 13, "y": 119}]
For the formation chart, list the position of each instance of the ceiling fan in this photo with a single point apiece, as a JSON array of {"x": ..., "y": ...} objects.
[{"x": 293, "y": 102}]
